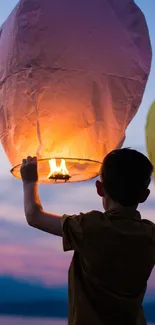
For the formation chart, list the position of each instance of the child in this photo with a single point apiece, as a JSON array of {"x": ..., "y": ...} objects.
[{"x": 114, "y": 251}]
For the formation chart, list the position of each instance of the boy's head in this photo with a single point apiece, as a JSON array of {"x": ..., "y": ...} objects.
[{"x": 125, "y": 177}]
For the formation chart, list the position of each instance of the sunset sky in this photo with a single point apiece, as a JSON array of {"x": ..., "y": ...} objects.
[{"x": 31, "y": 254}]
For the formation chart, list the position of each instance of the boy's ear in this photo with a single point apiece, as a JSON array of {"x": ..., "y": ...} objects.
[
  {"x": 99, "y": 187},
  {"x": 145, "y": 196}
]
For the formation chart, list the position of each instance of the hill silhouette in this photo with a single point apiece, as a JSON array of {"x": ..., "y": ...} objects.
[
  {"x": 22, "y": 298},
  {"x": 46, "y": 308},
  {"x": 19, "y": 290}
]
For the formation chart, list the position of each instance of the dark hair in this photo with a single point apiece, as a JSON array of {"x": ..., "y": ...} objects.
[{"x": 126, "y": 174}]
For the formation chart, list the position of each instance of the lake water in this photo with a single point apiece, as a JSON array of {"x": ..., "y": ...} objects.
[{"x": 30, "y": 321}]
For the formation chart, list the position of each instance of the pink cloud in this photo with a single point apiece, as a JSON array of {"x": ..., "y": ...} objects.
[
  {"x": 47, "y": 266},
  {"x": 151, "y": 282},
  {"x": 30, "y": 321}
]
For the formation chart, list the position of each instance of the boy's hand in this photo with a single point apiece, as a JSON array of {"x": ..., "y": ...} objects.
[{"x": 28, "y": 170}]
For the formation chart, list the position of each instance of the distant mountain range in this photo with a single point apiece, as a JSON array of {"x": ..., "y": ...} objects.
[
  {"x": 149, "y": 309},
  {"x": 18, "y": 297},
  {"x": 15, "y": 290},
  {"x": 49, "y": 308}
]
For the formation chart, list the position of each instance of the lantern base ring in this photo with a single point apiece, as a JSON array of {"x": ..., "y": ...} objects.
[{"x": 79, "y": 170}]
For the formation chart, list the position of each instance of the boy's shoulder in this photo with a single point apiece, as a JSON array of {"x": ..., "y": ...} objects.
[
  {"x": 94, "y": 212},
  {"x": 149, "y": 223},
  {"x": 95, "y": 218},
  {"x": 113, "y": 215},
  {"x": 94, "y": 215}
]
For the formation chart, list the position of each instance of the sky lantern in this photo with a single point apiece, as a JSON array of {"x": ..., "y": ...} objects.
[
  {"x": 150, "y": 134},
  {"x": 72, "y": 77}
]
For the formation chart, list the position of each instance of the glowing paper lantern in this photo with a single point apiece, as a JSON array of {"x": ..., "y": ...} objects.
[
  {"x": 150, "y": 134},
  {"x": 72, "y": 77}
]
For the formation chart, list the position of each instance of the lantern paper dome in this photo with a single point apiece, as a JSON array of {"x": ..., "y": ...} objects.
[{"x": 72, "y": 77}]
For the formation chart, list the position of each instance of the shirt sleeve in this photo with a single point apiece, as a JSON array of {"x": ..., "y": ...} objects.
[
  {"x": 72, "y": 232},
  {"x": 77, "y": 229}
]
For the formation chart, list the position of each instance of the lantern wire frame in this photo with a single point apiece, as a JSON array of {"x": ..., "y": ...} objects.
[{"x": 78, "y": 170}]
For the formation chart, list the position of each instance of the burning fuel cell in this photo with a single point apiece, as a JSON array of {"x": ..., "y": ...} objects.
[{"x": 58, "y": 172}]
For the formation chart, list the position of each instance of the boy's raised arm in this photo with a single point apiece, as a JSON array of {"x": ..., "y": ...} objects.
[{"x": 35, "y": 215}]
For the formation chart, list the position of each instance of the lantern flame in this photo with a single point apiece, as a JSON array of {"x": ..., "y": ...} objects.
[{"x": 58, "y": 172}]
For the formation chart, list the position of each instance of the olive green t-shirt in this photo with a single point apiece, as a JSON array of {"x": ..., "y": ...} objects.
[{"x": 114, "y": 254}]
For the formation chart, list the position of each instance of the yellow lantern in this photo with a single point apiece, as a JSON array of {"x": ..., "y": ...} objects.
[
  {"x": 72, "y": 77},
  {"x": 150, "y": 134}
]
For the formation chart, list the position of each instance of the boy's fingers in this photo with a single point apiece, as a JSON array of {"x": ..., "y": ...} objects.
[
  {"x": 23, "y": 162},
  {"x": 29, "y": 159},
  {"x": 34, "y": 160}
]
